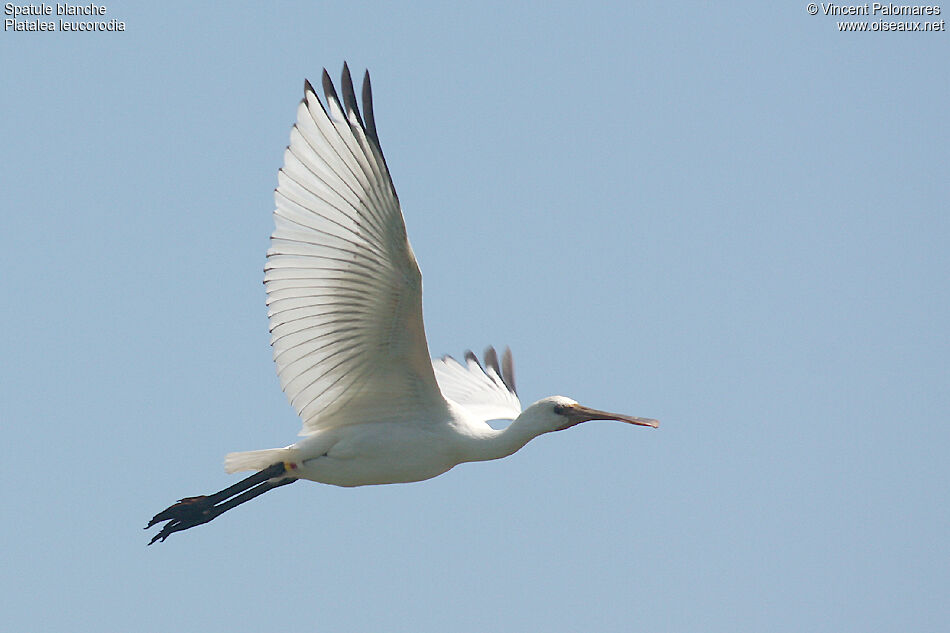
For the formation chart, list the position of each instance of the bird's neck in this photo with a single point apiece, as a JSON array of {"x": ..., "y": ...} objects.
[{"x": 484, "y": 443}]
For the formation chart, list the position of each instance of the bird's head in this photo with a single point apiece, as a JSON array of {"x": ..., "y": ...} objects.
[{"x": 558, "y": 413}]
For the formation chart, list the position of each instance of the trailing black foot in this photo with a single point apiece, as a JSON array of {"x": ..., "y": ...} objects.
[
  {"x": 192, "y": 511},
  {"x": 187, "y": 513}
]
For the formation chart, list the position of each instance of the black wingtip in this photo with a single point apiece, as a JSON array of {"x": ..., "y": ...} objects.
[
  {"x": 505, "y": 370},
  {"x": 328, "y": 90},
  {"x": 370, "y": 118},
  {"x": 508, "y": 370},
  {"x": 470, "y": 356},
  {"x": 491, "y": 359},
  {"x": 349, "y": 95}
]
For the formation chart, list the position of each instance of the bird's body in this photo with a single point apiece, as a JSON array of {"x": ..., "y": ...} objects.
[
  {"x": 377, "y": 452},
  {"x": 344, "y": 296},
  {"x": 399, "y": 450}
]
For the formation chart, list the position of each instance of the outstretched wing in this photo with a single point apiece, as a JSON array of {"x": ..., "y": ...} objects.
[
  {"x": 344, "y": 290},
  {"x": 487, "y": 392}
]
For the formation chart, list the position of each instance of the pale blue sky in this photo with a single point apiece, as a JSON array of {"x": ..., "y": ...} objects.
[{"x": 733, "y": 219}]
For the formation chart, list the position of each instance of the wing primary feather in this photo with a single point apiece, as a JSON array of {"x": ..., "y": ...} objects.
[
  {"x": 307, "y": 87},
  {"x": 505, "y": 371},
  {"x": 370, "y": 119},
  {"x": 368, "y": 112},
  {"x": 328, "y": 90},
  {"x": 491, "y": 360},
  {"x": 379, "y": 172},
  {"x": 508, "y": 370},
  {"x": 333, "y": 102},
  {"x": 349, "y": 96},
  {"x": 369, "y": 145},
  {"x": 472, "y": 358}
]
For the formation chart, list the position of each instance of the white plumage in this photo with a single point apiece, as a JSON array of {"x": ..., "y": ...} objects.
[
  {"x": 344, "y": 296},
  {"x": 344, "y": 290}
]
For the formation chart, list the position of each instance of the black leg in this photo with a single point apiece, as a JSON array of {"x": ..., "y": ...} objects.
[{"x": 192, "y": 511}]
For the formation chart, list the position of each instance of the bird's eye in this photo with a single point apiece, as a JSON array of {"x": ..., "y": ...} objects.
[{"x": 559, "y": 409}]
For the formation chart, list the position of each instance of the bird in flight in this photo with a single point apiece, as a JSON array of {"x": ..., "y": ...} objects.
[{"x": 344, "y": 297}]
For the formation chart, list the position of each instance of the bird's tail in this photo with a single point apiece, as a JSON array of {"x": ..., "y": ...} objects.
[{"x": 257, "y": 460}]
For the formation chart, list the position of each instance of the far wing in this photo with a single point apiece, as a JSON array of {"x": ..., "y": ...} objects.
[
  {"x": 487, "y": 392},
  {"x": 343, "y": 287}
]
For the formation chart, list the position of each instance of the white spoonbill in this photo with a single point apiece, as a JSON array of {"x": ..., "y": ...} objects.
[{"x": 345, "y": 306}]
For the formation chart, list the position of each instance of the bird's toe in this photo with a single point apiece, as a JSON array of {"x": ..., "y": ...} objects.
[{"x": 185, "y": 509}]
